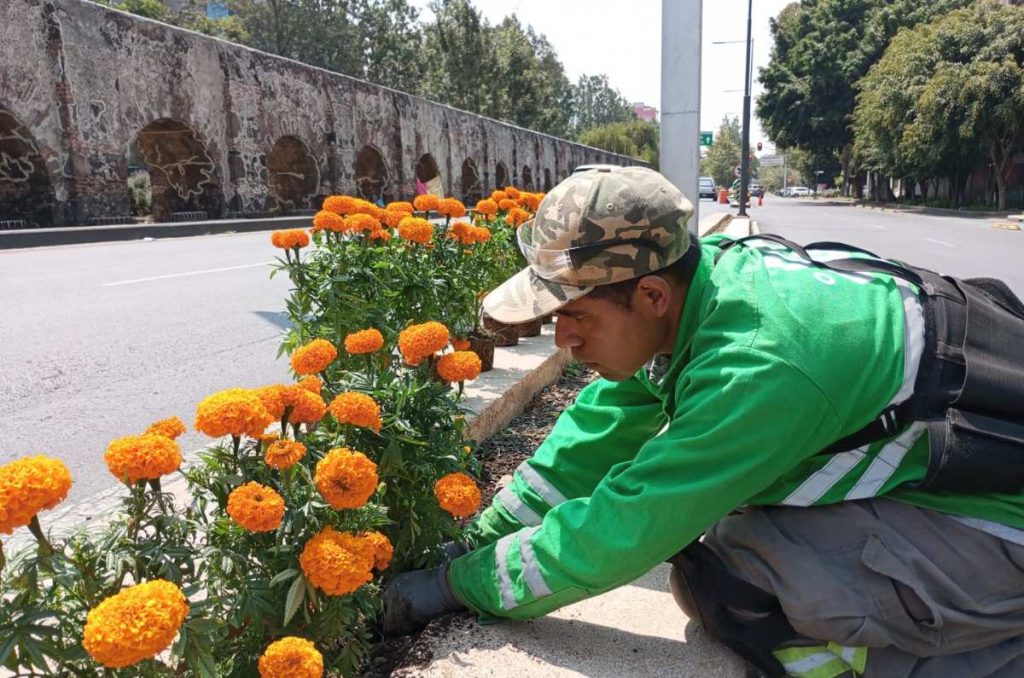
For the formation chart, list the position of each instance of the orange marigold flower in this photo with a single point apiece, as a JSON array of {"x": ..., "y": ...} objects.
[
  {"x": 507, "y": 204},
  {"x": 328, "y": 221},
  {"x": 487, "y": 207},
  {"x": 311, "y": 383},
  {"x": 382, "y": 234},
  {"x": 383, "y": 551},
  {"x": 233, "y": 411},
  {"x": 337, "y": 563},
  {"x": 135, "y": 624},
  {"x": 346, "y": 478},
  {"x": 425, "y": 202},
  {"x": 512, "y": 192},
  {"x": 498, "y": 195},
  {"x": 274, "y": 398},
  {"x": 400, "y": 206},
  {"x": 357, "y": 409},
  {"x": 417, "y": 342},
  {"x": 458, "y": 231},
  {"x": 517, "y": 216},
  {"x": 394, "y": 217},
  {"x": 294, "y": 237},
  {"x": 145, "y": 457},
  {"x": 450, "y": 207},
  {"x": 291, "y": 657},
  {"x": 529, "y": 201},
  {"x": 416, "y": 229},
  {"x": 478, "y": 234},
  {"x": 364, "y": 341},
  {"x": 358, "y": 223},
  {"x": 307, "y": 407},
  {"x": 460, "y": 344},
  {"x": 313, "y": 357},
  {"x": 269, "y": 438},
  {"x": 459, "y": 366},
  {"x": 360, "y": 206},
  {"x": 339, "y": 204},
  {"x": 457, "y": 494},
  {"x": 282, "y": 454},
  {"x": 256, "y": 507},
  {"x": 28, "y": 486},
  {"x": 172, "y": 427}
]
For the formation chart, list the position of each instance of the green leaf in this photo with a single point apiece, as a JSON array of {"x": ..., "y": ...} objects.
[
  {"x": 296, "y": 594},
  {"x": 283, "y": 576}
]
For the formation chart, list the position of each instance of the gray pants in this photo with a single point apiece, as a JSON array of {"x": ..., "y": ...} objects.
[{"x": 926, "y": 594}]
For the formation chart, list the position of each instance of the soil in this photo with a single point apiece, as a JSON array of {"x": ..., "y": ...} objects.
[{"x": 499, "y": 456}]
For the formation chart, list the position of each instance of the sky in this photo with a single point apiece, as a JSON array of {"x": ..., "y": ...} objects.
[{"x": 622, "y": 39}]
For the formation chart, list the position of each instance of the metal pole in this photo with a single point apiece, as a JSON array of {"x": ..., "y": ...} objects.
[
  {"x": 745, "y": 149},
  {"x": 679, "y": 151}
]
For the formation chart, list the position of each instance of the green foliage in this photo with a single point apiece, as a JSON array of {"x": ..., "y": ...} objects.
[
  {"x": 945, "y": 92},
  {"x": 821, "y": 49},
  {"x": 724, "y": 154},
  {"x": 596, "y": 102},
  {"x": 140, "y": 194},
  {"x": 151, "y": 9},
  {"x": 636, "y": 139}
]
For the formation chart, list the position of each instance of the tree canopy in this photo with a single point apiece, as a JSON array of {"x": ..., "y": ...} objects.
[{"x": 945, "y": 92}]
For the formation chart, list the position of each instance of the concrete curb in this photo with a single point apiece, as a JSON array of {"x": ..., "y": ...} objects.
[{"x": 48, "y": 237}]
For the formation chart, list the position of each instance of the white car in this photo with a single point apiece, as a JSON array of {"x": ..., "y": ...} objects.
[{"x": 797, "y": 192}]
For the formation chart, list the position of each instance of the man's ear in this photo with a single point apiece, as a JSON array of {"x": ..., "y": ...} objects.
[{"x": 654, "y": 294}]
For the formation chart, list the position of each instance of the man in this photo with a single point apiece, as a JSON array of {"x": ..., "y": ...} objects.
[{"x": 849, "y": 444}]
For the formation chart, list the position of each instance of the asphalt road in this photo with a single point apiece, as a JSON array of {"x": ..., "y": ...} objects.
[
  {"x": 98, "y": 341},
  {"x": 964, "y": 246}
]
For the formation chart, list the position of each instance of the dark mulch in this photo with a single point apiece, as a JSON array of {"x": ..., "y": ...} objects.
[{"x": 499, "y": 456}]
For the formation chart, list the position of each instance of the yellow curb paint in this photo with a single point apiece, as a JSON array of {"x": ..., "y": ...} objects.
[{"x": 1006, "y": 225}]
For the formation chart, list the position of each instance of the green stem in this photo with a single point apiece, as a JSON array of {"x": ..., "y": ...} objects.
[
  {"x": 235, "y": 442},
  {"x": 45, "y": 548}
]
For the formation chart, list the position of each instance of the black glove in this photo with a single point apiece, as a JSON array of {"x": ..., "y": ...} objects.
[
  {"x": 413, "y": 599},
  {"x": 450, "y": 550}
]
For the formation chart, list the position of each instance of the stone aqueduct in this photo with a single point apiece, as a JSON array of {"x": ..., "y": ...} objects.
[{"x": 89, "y": 94}]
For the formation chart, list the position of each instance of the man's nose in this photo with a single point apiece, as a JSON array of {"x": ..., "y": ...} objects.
[{"x": 565, "y": 334}]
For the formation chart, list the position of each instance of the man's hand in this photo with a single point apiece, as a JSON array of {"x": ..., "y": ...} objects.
[{"x": 413, "y": 599}]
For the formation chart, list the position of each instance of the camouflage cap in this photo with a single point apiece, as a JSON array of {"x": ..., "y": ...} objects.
[{"x": 595, "y": 228}]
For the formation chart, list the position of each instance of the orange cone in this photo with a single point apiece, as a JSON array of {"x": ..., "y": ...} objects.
[{"x": 760, "y": 200}]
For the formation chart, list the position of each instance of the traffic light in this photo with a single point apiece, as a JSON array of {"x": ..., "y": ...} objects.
[{"x": 759, "y": 145}]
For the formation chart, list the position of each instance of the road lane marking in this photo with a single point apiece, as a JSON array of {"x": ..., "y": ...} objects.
[
  {"x": 940, "y": 242},
  {"x": 182, "y": 275},
  {"x": 880, "y": 228}
]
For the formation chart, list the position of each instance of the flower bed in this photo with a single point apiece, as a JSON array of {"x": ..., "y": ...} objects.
[{"x": 316, "y": 491}]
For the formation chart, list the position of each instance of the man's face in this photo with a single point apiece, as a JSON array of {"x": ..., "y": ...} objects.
[{"x": 610, "y": 339}]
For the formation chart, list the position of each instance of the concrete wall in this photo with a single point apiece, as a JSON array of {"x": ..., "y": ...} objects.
[{"x": 86, "y": 92}]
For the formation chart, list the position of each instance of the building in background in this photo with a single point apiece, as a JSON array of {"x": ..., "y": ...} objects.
[{"x": 645, "y": 112}]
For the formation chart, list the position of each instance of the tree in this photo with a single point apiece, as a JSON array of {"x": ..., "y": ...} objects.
[
  {"x": 596, "y": 102},
  {"x": 723, "y": 154},
  {"x": 460, "y": 63},
  {"x": 945, "y": 90},
  {"x": 636, "y": 139},
  {"x": 821, "y": 49},
  {"x": 392, "y": 40}
]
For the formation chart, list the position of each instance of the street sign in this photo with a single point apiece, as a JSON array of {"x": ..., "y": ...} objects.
[
  {"x": 736, "y": 170},
  {"x": 772, "y": 160},
  {"x": 707, "y": 138}
]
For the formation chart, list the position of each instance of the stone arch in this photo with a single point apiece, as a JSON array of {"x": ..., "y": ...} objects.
[
  {"x": 427, "y": 171},
  {"x": 182, "y": 175},
  {"x": 501, "y": 179},
  {"x": 26, "y": 193},
  {"x": 527, "y": 178},
  {"x": 372, "y": 176},
  {"x": 293, "y": 175},
  {"x": 472, "y": 189},
  {"x": 547, "y": 180}
]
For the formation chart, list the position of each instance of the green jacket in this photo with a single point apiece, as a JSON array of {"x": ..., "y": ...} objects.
[{"x": 774, "y": 359}]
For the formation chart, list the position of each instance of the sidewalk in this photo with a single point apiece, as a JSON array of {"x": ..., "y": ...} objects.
[{"x": 636, "y": 630}]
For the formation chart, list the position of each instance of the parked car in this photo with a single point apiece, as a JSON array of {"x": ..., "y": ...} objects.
[
  {"x": 706, "y": 188},
  {"x": 756, "y": 190},
  {"x": 797, "y": 192}
]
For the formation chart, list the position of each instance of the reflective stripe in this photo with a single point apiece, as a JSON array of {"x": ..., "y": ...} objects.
[
  {"x": 508, "y": 598},
  {"x": 538, "y": 484},
  {"x": 855, "y": 657},
  {"x": 531, "y": 570},
  {"x": 520, "y": 511},
  {"x": 913, "y": 339},
  {"x": 811, "y": 662},
  {"x": 1004, "y": 532},
  {"x": 885, "y": 464},
  {"x": 825, "y": 478}
]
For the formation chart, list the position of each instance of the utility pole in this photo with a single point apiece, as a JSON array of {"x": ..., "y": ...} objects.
[
  {"x": 679, "y": 148},
  {"x": 745, "y": 149}
]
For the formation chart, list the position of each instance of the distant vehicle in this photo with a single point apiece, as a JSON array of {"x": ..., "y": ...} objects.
[
  {"x": 587, "y": 168},
  {"x": 797, "y": 192},
  {"x": 756, "y": 190},
  {"x": 706, "y": 188}
]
